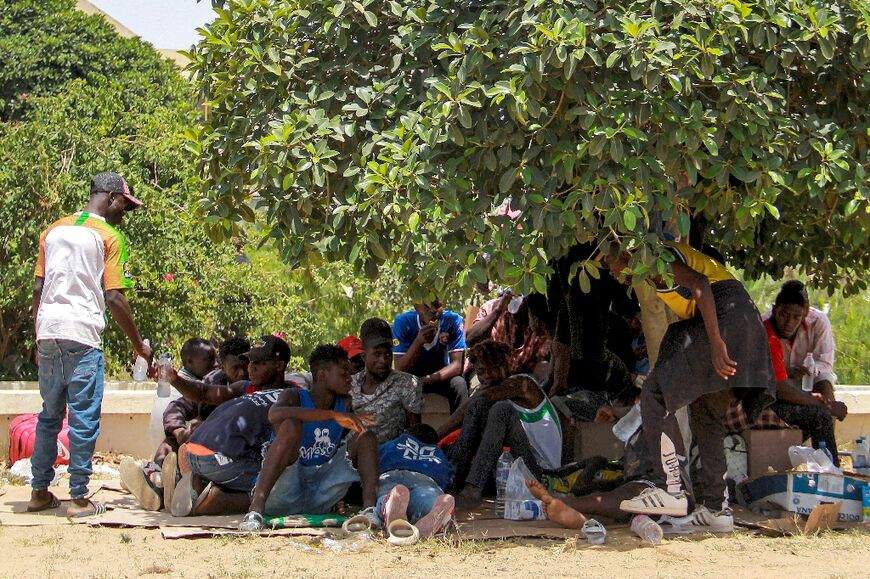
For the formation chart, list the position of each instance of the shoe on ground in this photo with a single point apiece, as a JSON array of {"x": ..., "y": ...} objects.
[
  {"x": 136, "y": 481},
  {"x": 701, "y": 519},
  {"x": 656, "y": 501}
]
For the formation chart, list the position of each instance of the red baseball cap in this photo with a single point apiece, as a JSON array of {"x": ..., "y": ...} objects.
[
  {"x": 352, "y": 345},
  {"x": 109, "y": 182}
]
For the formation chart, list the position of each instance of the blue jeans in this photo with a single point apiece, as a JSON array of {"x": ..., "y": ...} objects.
[
  {"x": 70, "y": 375},
  {"x": 233, "y": 475},
  {"x": 312, "y": 490},
  {"x": 423, "y": 489}
]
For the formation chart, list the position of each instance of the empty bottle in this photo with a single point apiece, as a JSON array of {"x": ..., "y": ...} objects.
[
  {"x": 647, "y": 529},
  {"x": 809, "y": 378},
  {"x": 140, "y": 367},
  {"x": 859, "y": 455},
  {"x": 502, "y": 470}
]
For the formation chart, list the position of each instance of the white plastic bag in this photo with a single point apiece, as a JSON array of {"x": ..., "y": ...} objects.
[{"x": 519, "y": 503}]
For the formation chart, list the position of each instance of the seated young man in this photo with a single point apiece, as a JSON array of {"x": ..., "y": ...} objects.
[
  {"x": 145, "y": 482},
  {"x": 226, "y": 451},
  {"x": 394, "y": 398},
  {"x": 309, "y": 466},
  {"x": 429, "y": 342},
  {"x": 512, "y": 412},
  {"x": 233, "y": 363},
  {"x": 415, "y": 476},
  {"x": 812, "y": 412},
  {"x": 525, "y": 331}
]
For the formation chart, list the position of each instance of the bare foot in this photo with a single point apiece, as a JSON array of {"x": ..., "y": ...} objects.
[
  {"x": 42, "y": 500},
  {"x": 554, "y": 509}
]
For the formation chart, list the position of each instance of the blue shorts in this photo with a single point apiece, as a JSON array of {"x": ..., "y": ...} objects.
[
  {"x": 237, "y": 475},
  {"x": 312, "y": 490}
]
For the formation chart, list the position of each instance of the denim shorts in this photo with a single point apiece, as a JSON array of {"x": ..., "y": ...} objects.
[
  {"x": 312, "y": 490},
  {"x": 239, "y": 475}
]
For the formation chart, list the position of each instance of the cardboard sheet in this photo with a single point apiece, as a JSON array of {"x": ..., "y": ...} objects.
[{"x": 201, "y": 532}]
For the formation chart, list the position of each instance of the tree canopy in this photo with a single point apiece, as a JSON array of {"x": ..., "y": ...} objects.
[{"x": 411, "y": 131}]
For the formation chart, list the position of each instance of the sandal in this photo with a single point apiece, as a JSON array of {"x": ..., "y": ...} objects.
[
  {"x": 169, "y": 475},
  {"x": 357, "y": 524},
  {"x": 401, "y": 532},
  {"x": 94, "y": 508},
  {"x": 252, "y": 522},
  {"x": 52, "y": 503}
]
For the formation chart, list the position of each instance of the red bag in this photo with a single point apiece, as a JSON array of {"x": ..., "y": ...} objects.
[{"x": 22, "y": 436}]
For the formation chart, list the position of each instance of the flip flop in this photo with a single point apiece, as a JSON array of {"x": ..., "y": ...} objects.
[
  {"x": 52, "y": 503},
  {"x": 138, "y": 484},
  {"x": 184, "y": 497},
  {"x": 207, "y": 493},
  {"x": 94, "y": 508},
  {"x": 169, "y": 472},
  {"x": 400, "y": 532},
  {"x": 357, "y": 524},
  {"x": 438, "y": 516}
]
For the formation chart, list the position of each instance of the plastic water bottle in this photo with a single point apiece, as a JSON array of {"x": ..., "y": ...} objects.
[
  {"x": 859, "y": 455},
  {"x": 140, "y": 367},
  {"x": 647, "y": 529},
  {"x": 502, "y": 470},
  {"x": 165, "y": 394},
  {"x": 809, "y": 378},
  {"x": 628, "y": 424},
  {"x": 164, "y": 364}
]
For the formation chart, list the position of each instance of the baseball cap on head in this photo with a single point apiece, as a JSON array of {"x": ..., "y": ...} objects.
[
  {"x": 109, "y": 182},
  {"x": 269, "y": 348},
  {"x": 352, "y": 345},
  {"x": 376, "y": 332}
]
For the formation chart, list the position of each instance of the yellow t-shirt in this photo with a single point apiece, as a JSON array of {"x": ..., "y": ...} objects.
[{"x": 679, "y": 298}]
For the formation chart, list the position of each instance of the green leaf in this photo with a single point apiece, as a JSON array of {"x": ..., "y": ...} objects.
[{"x": 507, "y": 180}]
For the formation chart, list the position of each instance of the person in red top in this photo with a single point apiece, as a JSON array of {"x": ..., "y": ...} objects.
[{"x": 812, "y": 412}]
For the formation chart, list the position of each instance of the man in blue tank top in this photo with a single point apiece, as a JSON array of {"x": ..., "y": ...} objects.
[{"x": 309, "y": 467}]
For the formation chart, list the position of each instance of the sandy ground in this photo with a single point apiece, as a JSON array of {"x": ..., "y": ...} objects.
[{"x": 82, "y": 551}]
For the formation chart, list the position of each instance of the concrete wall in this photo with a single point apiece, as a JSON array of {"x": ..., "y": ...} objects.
[{"x": 127, "y": 414}]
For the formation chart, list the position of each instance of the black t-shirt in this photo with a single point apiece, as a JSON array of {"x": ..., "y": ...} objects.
[{"x": 239, "y": 428}]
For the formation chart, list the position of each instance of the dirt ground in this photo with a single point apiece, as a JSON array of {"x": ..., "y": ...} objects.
[{"x": 82, "y": 551}]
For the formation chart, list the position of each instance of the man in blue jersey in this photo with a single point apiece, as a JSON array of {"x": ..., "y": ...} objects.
[
  {"x": 429, "y": 342},
  {"x": 309, "y": 465},
  {"x": 415, "y": 477}
]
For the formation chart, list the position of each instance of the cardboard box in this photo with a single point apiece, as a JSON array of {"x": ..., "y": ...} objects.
[
  {"x": 769, "y": 449},
  {"x": 800, "y": 492},
  {"x": 597, "y": 440}
]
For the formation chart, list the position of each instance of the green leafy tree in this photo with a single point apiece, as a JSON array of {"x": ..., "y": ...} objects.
[{"x": 398, "y": 131}]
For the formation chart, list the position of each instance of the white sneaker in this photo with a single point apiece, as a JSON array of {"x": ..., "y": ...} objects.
[
  {"x": 702, "y": 519},
  {"x": 656, "y": 501}
]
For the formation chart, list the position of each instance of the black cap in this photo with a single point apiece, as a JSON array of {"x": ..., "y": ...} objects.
[
  {"x": 109, "y": 182},
  {"x": 269, "y": 348},
  {"x": 376, "y": 332}
]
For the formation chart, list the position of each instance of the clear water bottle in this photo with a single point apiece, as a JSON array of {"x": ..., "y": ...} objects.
[
  {"x": 164, "y": 365},
  {"x": 809, "y": 378},
  {"x": 647, "y": 529},
  {"x": 859, "y": 455},
  {"x": 628, "y": 424},
  {"x": 140, "y": 367},
  {"x": 502, "y": 470}
]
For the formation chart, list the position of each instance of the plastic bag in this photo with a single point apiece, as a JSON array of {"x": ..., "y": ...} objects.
[{"x": 520, "y": 504}]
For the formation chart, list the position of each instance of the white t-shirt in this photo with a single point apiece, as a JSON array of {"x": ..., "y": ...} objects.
[
  {"x": 544, "y": 431},
  {"x": 80, "y": 257}
]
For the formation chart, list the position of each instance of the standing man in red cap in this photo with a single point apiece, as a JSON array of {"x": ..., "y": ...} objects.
[{"x": 81, "y": 268}]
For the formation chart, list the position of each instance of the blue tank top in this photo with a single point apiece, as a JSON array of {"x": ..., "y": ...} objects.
[{"x": 320, "y": 439}]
